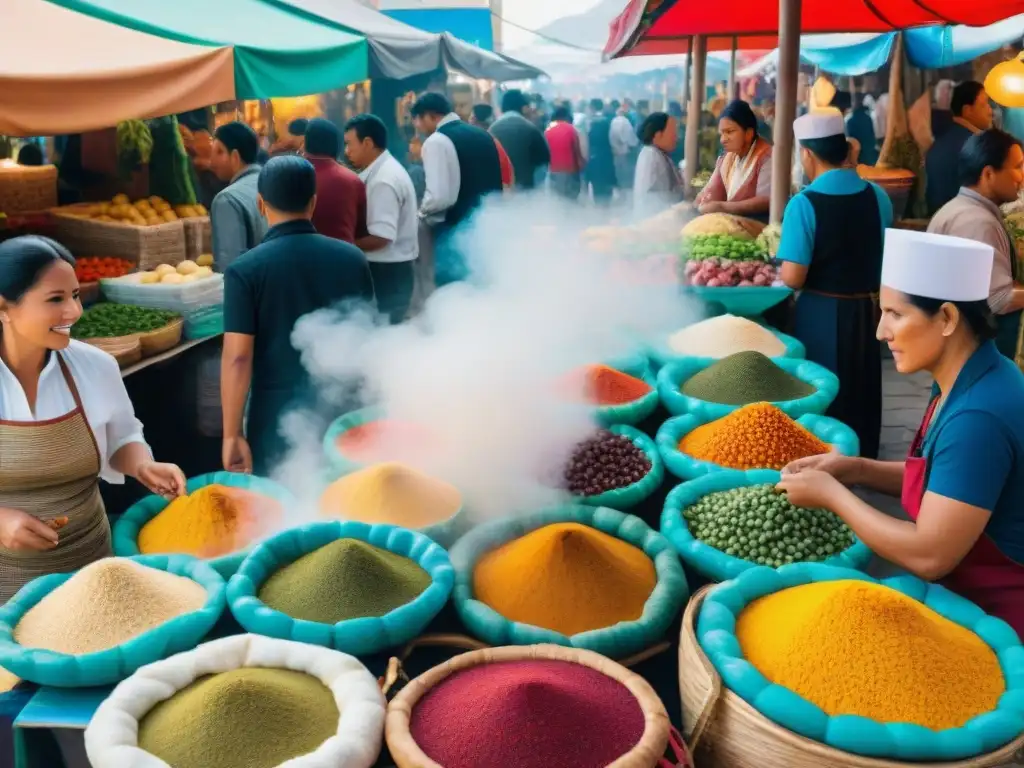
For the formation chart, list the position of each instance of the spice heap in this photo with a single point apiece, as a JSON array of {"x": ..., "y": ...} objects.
[
  {"x": 384, "y": 440},
  {"x": 536, "y": 713},
  {"x": 106, "y": 604},
  {"x": 758, "y": 524},
  {"x": 605, "y": 462},
  {"x": 108, "y": 320},
  {"x": 346, "y": 579},
  {"x": 391, "y": 493},
  {"x": 252, "y": 717},
  {"x": 723, "y": 336},
  {"x": 213, "y": 521},
  {"x": 757, "y": 436},
  {"x": 602, "y": 385},
  {"x": 566, "y": 577},
  {"x": 855, "y": 648},
  {"x": 743, "y": 378}
]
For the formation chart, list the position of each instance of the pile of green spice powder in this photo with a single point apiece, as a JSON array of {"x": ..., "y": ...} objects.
[
  {"x": 744, "y": 378},
  {"x": 346, "y": 579},
  {"x": 252, "y": 717},
  {"x": 758, "y": 524}
]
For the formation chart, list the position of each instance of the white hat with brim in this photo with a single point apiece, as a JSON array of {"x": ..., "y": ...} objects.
[
  {"x": 819, "y": 124},
  {"x": 937, "y": 266}
]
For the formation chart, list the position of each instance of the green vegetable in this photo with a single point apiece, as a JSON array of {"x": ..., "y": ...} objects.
[
  {"x": 699, "y": 247},
  {"x": 759, "y": 525},
  {"x": 106, "y": 320}
]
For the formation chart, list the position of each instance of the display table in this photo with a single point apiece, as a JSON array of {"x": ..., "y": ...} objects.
[{"x": 164, "y": 356}]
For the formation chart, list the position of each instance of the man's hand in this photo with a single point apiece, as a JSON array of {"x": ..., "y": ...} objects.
[{"x": 237, "y": 455}]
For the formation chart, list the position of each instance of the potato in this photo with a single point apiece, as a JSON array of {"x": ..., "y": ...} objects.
[
  {"x": 187, "y": 267},
  {"x": 189, "y": 278},
  {"x": 148, "y": 278},
  {"x": 165, "y": 269},
  {"x": 203, "y": 272},
  {"x": 172, "y": 279},
  {"x": 205, "y": 260}
]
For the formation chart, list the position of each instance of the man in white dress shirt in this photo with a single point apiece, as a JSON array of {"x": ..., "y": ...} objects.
[
  {"x": 392, "y": 246},
  {"x": 462, "y": 167},
  {"x": 625, "y": 145}
]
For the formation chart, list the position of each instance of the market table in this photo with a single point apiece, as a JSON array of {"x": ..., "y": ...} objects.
[{"x": 170, "y": 354}]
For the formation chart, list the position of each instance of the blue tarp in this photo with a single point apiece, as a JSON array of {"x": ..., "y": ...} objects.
[{"x": 926, "y": 47}]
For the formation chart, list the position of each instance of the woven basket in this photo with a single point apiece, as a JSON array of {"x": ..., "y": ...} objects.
[
  {"x": 725, "y": 732},
  {"x": 27, "y": 188},
  {"x": 198, "y": 237},
  {"x": 162, "y": 339},
  {"x": 646, "y": 754},
  {"x": 127, "y": 350},
  {"x": 150, "y": 246}
]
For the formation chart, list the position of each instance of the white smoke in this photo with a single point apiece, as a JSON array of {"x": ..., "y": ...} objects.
[{"x": 479, "y": 368}]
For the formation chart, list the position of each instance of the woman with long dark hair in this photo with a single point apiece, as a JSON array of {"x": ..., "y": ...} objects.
[
  {"x": 742, "y": 181},
  {"x": 962, "y": 483}
]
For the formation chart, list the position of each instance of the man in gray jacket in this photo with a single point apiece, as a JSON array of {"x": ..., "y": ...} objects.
[
  {"x": 235, "y": 219},
  {"x": 522, "y": 140}
]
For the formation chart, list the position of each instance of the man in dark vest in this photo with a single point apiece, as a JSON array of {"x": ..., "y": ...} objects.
[
  {"x": 462, "y": 167},
  {"x": 831, "y": 251}
]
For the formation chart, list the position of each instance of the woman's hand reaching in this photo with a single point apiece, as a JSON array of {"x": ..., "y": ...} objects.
[
  {"x": 845, "y": 469},
  {"x": 21, "y": 532}
]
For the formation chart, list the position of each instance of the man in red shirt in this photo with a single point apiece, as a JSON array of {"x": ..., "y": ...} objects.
[
  {"x": 483, "y": 117},
  {"x": 566, "y": 168},
  {"x": 340, "y": 194}
]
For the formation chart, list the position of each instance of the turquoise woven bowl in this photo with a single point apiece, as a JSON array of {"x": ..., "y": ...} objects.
[
  {"x": 182, "y": 633},
  {"x": 126, "y": 530},
  {"x": 619, "y": 641},
  {"x": 628, "y": 497},
  {"x": 359, "y": 637},
  {"x": 716, "y": 633}
]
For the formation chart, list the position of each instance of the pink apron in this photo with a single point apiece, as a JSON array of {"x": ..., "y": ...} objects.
[{"x": 985, "y": 576}]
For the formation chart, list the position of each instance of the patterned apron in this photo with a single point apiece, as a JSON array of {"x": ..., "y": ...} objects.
[
  {"x": 50, "y": 469},
  {"x": 985, "y": 576}
]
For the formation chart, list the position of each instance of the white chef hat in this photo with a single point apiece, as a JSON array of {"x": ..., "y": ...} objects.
[
  {"x": 819, "y": 124},
  {"x": 936, "y": 266}
]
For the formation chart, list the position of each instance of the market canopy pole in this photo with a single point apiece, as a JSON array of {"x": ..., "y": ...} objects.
[
  {"x": 732, "y": 69},
  {"x": 785, "y": 106},
  {"x": 686, "y": 72},
  {"x": 698, "y": 59}
]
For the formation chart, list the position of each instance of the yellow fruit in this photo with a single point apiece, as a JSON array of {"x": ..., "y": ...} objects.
[
  {"x": 201, "y": 210},
  {"x": 157, "y": 200},
  {"x": 104, "y": 209},
  {"x": 187, "y": 267},
  {"x": 104, "y": 218},
  {"x": 189, "y": 278},
  {"x": 169, "y": 215},
  {"x": 148, "y": 278},
  {"x": 205, "y": 260},
  {"x": 203, "y": 272},
  {"x": 165, "y": 269},
  {"x": 183, "y": 210},
  {"x": 120, "y": 200},
  {"x": 172, "y": 279},
  {"x": 161, "y": 207},
  {"x": 142, "y": 205}
]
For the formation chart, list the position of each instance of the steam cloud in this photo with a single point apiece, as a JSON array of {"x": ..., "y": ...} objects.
[{"x": 478, "y": 369}]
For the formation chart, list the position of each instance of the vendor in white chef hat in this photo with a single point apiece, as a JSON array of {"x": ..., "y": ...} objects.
[{"x": 962, "y": 483}]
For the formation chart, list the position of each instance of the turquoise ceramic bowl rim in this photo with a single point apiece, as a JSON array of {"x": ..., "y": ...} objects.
[
  {"x": 643, "y": 487},
  {"x": 670, "y": 593},
  {"x": 125, "y": 535},
  {"x": 661, "y": 354},
  {"x": 841, "y": 437},
  {"x": 637, "y": 410},
  {"x": 673, "y": 375},
  {"x": 251, "y": 612},
  {"x": 708, "y": 293},
  {"x": 37, "y": 665},
  {"x": 860, "y": 735},
  {"x": 341, "y": 464},
  {"x": 714, "y": 562}
]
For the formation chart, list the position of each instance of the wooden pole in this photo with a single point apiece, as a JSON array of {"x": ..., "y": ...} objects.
[
  {"x": 686, "y": 73},
  {"x": 698, "y": 56},
  {"x": 732, "y": 71},
  {"x": 785, "y": 106}
]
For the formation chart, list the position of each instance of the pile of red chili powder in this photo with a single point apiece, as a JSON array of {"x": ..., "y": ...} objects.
[
  {"x": 384, "y": 440},
  {"x": 536, "y": 713},
  {"x": 603, "y": 385}
]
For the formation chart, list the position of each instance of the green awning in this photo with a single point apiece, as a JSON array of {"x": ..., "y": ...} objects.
[{"x": 277, "y": 52}]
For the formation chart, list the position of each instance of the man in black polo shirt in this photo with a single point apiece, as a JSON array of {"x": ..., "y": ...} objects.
[{"x": 293, "y": 272}]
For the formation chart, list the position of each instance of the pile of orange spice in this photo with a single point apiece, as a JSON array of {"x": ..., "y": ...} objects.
[
  {"x": 603, "y": 385},
  {"x": 757, "y": 436}
]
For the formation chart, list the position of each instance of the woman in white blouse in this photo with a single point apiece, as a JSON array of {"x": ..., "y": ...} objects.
[{"x": 65, "y": 421}]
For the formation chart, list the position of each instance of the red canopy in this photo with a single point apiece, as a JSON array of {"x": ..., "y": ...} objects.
[{"x": 648, "y": 27}]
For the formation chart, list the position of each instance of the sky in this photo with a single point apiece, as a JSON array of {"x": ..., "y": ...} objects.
[{"x": 534, "y": 14}]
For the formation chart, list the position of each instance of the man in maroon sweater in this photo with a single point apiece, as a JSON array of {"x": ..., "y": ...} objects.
[{"x": 340, "y": 194}]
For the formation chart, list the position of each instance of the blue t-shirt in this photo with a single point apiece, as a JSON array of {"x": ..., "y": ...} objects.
[
  {"x": 975, "y": 447},
  {"x": 798, "y": 223}
]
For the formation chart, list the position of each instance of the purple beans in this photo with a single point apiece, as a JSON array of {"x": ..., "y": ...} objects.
[{"x": 604, "y": 462}]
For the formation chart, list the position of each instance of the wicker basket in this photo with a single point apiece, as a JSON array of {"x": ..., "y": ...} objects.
[
  {"x": 26, "y": 188},
  {"x": 89, "y": 293},
  {"x": 724, "y": 731},
  {"x": 150, "y": 246},
  {"x": 127, "y": 350},
  {"x": 646, "y": 754},
  {"x": 162, "y": 339},
  {"x": 198, "y": 237}
]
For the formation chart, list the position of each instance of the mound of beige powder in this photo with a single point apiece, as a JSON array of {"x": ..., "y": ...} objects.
[
  {"x": 725, "y": 335},
  {"x": 105, "y": 604}
]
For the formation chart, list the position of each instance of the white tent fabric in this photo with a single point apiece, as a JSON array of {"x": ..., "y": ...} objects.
[{"x": 398, "y": 50}]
